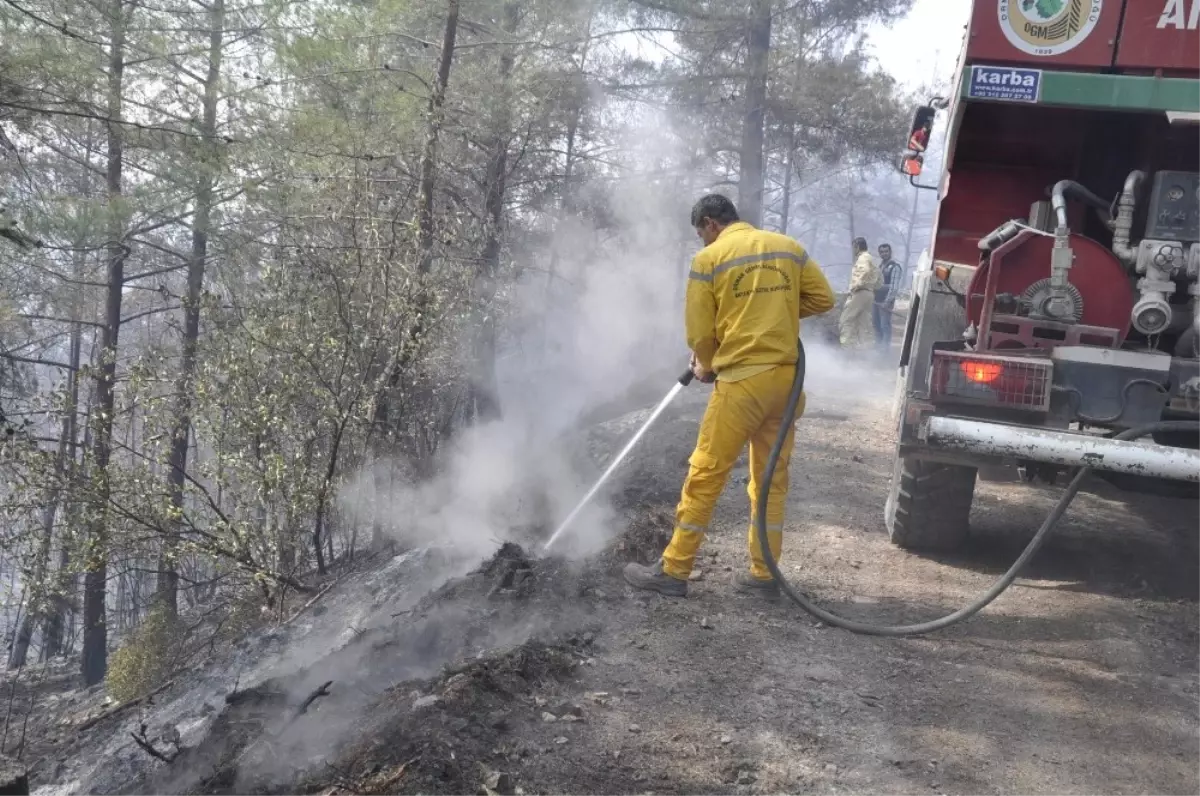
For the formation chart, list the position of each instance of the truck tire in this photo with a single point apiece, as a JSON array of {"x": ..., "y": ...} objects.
[{"x": 929, "y": 504}]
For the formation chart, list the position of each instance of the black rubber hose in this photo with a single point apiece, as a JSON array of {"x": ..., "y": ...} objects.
[
  {"x": 1069, "y": 188},
  {"x": 998, "y": 588},
  {"x": 1005, "y": 232}
]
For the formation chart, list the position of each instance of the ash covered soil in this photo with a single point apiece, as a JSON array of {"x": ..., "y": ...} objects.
[{"x": 429, "y": 674}]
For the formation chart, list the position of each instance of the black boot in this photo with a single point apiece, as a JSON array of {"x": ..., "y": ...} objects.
[
  {"x": 652, "y": 578},
  {"x": 745, "y": 583}
]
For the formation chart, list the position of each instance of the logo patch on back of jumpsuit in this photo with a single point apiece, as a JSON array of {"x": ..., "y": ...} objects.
[{"x": 768, "y": 278}]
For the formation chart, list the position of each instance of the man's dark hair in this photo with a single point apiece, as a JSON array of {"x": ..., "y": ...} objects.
[
  {"x": 885, "y": 246},
  {"x": 860, "y": 245},
  {"x": 716, "y": 207}
]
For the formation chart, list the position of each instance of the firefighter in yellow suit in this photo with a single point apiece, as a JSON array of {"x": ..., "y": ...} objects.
[
  {"x": 855, "y": 328},
  {"x": 746, "y": 293}
]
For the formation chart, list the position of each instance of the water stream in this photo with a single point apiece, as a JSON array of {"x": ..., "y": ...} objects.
[{"x": 658, "y": 410}]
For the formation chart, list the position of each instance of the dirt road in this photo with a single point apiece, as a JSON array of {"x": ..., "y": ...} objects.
[{"x": 1082, "y": 678}]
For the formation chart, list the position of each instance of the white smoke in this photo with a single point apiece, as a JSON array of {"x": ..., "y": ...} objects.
[{"x": 608, "y": 320}]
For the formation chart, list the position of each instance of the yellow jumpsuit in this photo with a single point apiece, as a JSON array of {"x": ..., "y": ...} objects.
[
  {"x": 855, "y": 329},
  {"x": 746, "y": 294}
]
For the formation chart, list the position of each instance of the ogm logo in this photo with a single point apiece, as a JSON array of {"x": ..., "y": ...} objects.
[{"x": 1048, "y": 27}]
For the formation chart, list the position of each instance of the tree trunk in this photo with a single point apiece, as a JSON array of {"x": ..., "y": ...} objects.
[
  {"x": 437, "y": 116},
  {"x": 850, "y": 212},
  {"x": 383, "y": 420},
  {"x": 566, "y": 208},
  {"x": 64, "y": 580},
  {"x": 567, "y": 199},
  {"x": 750, "y": 177},
  {"x": 52, "y": 636},
  {"x": 41, "y": 587},
  {"x": 167, "y": 588},
  {"x": 381, "y": 478},
  {"x": 287, "y": 547},
  {"x": 485, "y": 399},
  {"x": 319, "y": 531},
  {"x": 789, "y": 161},
  {"x": 62, "y": 592},
  {"x": 687, "y": 240},
  {"x": 425, "y": 229},
  {"x": 37, "y": 608},
  {"x": 122, "y": 603},
  {"x": 95, "y": 632}
]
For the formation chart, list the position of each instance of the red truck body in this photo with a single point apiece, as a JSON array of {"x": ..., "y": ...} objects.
[
  {"x": 1061, "y": 301},
  {"x": 1002, "y": 155},
  {"x": 1136, "y": 36}
]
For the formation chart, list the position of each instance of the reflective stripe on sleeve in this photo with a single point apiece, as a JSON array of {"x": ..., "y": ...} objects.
[{"x": 798, "y": 259}]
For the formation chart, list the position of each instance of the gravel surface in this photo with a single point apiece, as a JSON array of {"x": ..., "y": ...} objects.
[{"x": 1082, "y": 678}]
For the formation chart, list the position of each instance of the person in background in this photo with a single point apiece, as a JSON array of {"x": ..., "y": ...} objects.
[
  {"x": 885, "y": 297},
  {"x": 855, "y": 327},
  {"x": 746, "y": 293}
]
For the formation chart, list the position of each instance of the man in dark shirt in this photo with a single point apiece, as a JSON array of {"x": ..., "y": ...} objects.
[{"x": 885, "y": 297}]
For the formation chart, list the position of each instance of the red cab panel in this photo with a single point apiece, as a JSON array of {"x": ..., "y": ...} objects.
[
  {"x": 1054, "y": 33},
  {"x": 1161, "y": 34}
]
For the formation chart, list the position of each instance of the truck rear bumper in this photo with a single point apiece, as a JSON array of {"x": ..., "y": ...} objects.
[{"x": 981, "y": 438}]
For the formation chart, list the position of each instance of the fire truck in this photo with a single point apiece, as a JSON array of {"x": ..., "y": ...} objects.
[{"x": 1060, "y": 304}]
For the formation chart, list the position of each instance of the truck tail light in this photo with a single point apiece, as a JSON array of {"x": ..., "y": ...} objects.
[
  {"x": 987, "y": 380},
  {"x": 982, "y": 372}
]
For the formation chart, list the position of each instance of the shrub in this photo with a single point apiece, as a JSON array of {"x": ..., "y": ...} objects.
[{"x": 146, "y": 660}]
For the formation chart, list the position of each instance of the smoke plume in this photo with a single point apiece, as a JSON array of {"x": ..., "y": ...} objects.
[{"x": 595, "y": 313}]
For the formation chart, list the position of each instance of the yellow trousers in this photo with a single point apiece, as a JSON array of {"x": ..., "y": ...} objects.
[
  {"x": 855, "y": 328},
  {"x": 749, "y": 410}
]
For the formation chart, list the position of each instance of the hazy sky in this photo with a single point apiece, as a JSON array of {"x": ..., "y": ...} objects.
[
  {"x": 920, "y": 49},
  {"x": 923, "y": 47}
]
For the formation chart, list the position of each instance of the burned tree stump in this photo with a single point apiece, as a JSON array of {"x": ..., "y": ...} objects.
[{"x": 14, "y": 779}]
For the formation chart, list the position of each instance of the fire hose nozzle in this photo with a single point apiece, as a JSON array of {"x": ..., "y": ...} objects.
[{"x": 689, "y": 376}]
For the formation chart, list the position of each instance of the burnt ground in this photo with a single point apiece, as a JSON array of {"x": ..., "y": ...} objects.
[{"x": 538, "y": 676}]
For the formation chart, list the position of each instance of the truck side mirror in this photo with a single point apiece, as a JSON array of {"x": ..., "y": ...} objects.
[
  {"x": 910, "y": 164},
  {"x": 922, "y": 128}
]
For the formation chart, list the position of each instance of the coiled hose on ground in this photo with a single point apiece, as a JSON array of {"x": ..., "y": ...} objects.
[{"x": 998, "y": 588}]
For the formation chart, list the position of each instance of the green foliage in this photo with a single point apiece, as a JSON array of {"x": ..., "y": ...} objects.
[
  {"x": 313, "y": 315},
  {"x": 146, "y": 660},
  {"x": 244, "y": 615}
]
